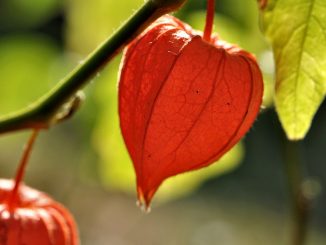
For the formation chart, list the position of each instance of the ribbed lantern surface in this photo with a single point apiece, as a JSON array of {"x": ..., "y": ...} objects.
[
  {"x": 183, "y": 101},
  {"x": 33, "y": 218}
]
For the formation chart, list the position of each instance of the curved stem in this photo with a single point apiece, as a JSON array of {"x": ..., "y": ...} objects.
[
  {"x": 42, "y": 113},
  {"x": 21, "y": 170},
  {"x": 209, "y": 20}
]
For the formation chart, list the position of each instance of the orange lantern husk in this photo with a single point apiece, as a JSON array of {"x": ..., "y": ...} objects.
[
  {"x": 183, "y": 101},
  {"x": 34, "y": 218}
]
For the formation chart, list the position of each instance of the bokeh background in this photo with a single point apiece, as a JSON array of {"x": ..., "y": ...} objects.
[{"x": 243, "y": 199}]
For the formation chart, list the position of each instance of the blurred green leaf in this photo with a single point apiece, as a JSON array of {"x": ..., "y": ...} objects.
[
  {"x": 91, "y": 22},
  {"x": 297, "y": 30},
  {"x": 243, "y": 12},
  {"x": 268, "y": 98},
  {"x": 266, "y": 63},
  {"x": 25, "y": 70},
  {"x": 27, "y": 13}
]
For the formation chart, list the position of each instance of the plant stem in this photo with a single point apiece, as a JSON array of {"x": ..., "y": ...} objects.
[
  {"x": 42, "y": 113},
  {"x": 300, "y": 202},
  {"x": 209, "y": 20},
  {"x": 21, "y": 170},
  {"x": 262, "y": 4}
]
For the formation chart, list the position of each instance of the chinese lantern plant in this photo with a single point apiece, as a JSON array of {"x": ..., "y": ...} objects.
[
  {"x": 30, "y": 217},
  {"x": 185, "y": 99}
]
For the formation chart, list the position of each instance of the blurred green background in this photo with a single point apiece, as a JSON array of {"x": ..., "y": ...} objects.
[{"x": 82, "y": 163}]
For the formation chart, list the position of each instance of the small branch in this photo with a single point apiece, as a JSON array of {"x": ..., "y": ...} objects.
[
  {"x": 42, "y": 113},
  {"x": 300, "y": 202}
]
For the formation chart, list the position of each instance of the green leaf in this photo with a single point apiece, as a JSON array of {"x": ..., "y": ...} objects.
[
  {"x": 26, "y": 14},
  {"x": 26, "y": 69},
  {"x": 91, "y": 22},
  {"x": 297, "y": 30}
]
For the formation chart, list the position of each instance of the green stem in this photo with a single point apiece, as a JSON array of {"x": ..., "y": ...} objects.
[
  {"x": 300, "y": 202},
  {"x": 42, "y": 113}
]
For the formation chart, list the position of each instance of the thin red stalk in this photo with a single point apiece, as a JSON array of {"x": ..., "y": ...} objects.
[
  {"x": 21, "y": 169},
  {"x": 263, "y": 4},
  {"x": 209, "y": 20}
]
